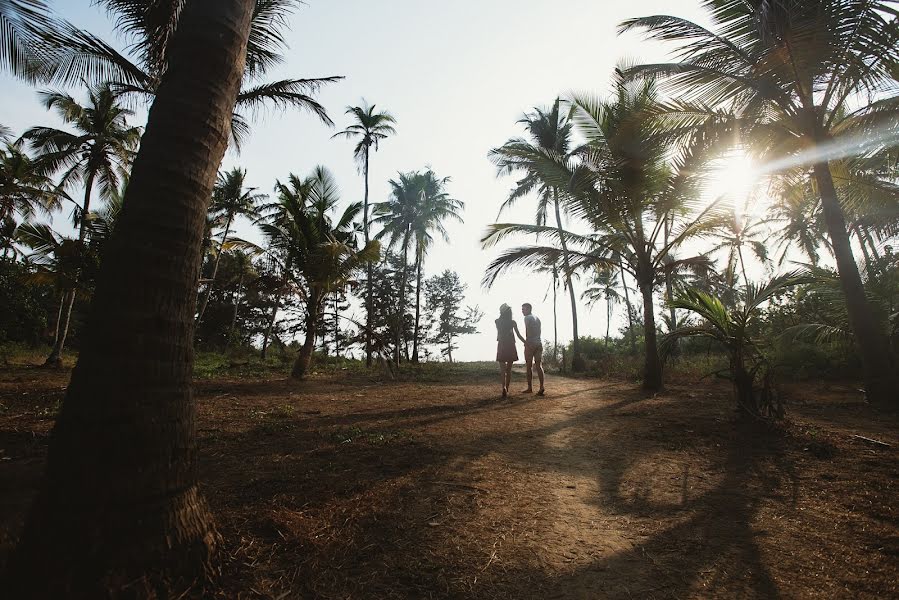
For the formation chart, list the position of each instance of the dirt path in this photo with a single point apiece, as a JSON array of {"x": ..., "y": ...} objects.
[{"x": 354, "y": 488}]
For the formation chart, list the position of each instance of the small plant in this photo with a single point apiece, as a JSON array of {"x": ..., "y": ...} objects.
[{"x": 732, "y": 327}]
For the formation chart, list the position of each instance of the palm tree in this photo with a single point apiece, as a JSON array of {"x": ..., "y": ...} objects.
[
  {"x": 369, "y": 128},
  {"x": 435, "y": 207},
  {"x": 97, "y": 154},
  {"x": 323, "y": 251},
  {"x": 604, "y": 288},
  {"x": 732, "y": 328},
  {"x": 798, "y": 74},
  {"x": 550, "y": 139},
  {"x": 121, "y": 465},
  {"x": 230, "y": 198},
  {"x": 627, "y": 187},
  {"x": 243, "y": 262},
  {"x": 25, "y": 24},
  {"x": 25, "y": 189},
  {"x": 735, "y": 232}
]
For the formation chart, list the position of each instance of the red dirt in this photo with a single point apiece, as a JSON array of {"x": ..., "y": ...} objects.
[{"x": 357, "y": 489}]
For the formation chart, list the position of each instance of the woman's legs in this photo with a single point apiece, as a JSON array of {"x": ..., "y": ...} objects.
[{"x": 507, "y": 381}]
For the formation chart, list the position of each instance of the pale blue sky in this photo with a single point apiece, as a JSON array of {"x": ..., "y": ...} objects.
[{"x": 456, "y": 75}]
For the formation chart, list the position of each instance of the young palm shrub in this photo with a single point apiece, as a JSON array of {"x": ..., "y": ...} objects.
[{"x": 733, "y": 327}]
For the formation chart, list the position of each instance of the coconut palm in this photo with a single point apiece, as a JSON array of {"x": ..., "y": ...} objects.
[
  {"x": 230, "y": 199},
  {"x": 604, "y": 287},
  {"x": 736, "y": 231},
  {"x": 812, "y": 82},
  {"x": 323, "y": 251},
  {"x": 96, "y": 156},
  {"x": 627, "y": 186},
  {"x": 369, "y": 128},
  {"x": 121, "y": 465},
  {"x": 550, "y": 137},
  {"x": 436, "y": 207},
  {"x": 732, "y": 328},
  {"x": 25, "y": 190}
]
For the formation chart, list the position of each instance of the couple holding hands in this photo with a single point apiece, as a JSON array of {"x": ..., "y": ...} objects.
[{"x": 506, "y": 353}]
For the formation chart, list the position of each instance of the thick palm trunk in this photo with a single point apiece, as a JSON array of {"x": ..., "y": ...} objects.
[
  {"x": 55, "y": 358},
  {"x": 577, "y": 361},
  {"x": 304, "y": 358},
  {"x": 416, "y": 333},
  {"x": 119, "y": 505},
  {"x": 215, "y": 270},
  {"x": 880, "y": 379},
  {"x": 652, "y": 366}
]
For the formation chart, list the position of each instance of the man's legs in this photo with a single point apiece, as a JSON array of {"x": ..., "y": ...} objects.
[{"x": 529, "y": 362}]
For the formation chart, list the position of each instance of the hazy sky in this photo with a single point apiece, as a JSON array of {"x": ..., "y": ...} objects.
[{"x": 456, "y": 75}]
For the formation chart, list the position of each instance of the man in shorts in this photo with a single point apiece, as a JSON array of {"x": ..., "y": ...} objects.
[{"x": 533, "y": 348}]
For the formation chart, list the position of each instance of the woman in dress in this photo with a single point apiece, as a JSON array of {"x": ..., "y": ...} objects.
[{"x": 506, "y": 354}]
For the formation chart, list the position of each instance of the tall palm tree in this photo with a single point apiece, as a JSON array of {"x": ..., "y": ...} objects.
[
  {"x": 323, "y": 250},
  {"x": 96, "y": 155},
  {"x": 604, "y": 287},
  {"x": 395, "y": 217},
  {"x": 436, "y": 207},
  {"x": 369, "y": 128},
  {"x": 812, "y": 82},
  {"x": 735, "y": 232},
  {"x": 550, "y": 139},
  {"x": 230, "y": 198},
  {"x": 121, "y": 465},
  {"x": 627, "y": 186}
]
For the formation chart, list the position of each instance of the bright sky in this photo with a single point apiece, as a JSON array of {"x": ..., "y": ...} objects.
[{"x": 456, "y": 75}]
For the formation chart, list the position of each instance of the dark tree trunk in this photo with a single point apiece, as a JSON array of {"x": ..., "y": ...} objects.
[
  {"x": 304, "y": 358},
  {"x": 880, "y": 378},
  {"x": 368, "y": 290},
  {"x": 555, "y": 314},
  {"x": 236, "y": 308},
  {"x": 415, "y": 334},
  {"x": 401, "y": 303},
  {"x": 215, "y": 270},
  {"x": 55, "y": 358},
  {"x": 652, "y": 366},
  {"x": 577, "y": 361},
  {"x": 119, "y": 503}
]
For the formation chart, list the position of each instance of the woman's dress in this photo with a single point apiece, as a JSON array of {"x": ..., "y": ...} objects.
[{"x": 505, "y": 338}]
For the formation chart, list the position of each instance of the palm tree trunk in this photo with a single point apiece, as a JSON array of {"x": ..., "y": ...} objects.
[
  {"x": 652, "y": 366},
  {"x": 336, "y": 324},
  {"x": 630, "y": 313},
  {"x": 304, "y": 358},
  {"x": 122, "y": 462},
  {"x": 368, "y": 287},
  {"x": 555, "y": 314},
  {"x": 415, "y": 334},
  {"x": 608, "y": 319},
  {"x": 55, "y": 358},
  {"x": 271, "y": 321},
  {"x": 236, "y": 307},
  {"x": 877, "y": 361},
  {"x": 215, "y": 270},
  {"x": 401, "y": 308},
  {"x": 577, "y": 362}
]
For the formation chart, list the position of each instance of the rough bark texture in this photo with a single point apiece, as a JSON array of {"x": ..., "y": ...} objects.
[
  {"x": 881, "y": 384},
  {"x": 119, "y": 502},
  {"x": 652, "y": 366}
]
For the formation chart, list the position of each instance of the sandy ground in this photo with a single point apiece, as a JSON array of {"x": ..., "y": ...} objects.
[{"x": 354, "y": 488}]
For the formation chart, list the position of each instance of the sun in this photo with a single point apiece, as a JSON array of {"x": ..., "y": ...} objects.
[{"x": 736, "y": 181}]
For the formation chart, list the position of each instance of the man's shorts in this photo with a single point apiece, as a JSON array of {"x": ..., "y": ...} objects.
[{"x": 533, "y": 352}]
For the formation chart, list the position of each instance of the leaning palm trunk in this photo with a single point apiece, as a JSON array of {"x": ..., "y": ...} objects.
[
  {"x": 577, "y": 361},
  {"x": 304, "y": 358},
  {"x": 119, "y": 504},
  {"x": 873, "y": 345},
  {"x": 215, "y": 270},
  {"x": 62, "y": 328}
]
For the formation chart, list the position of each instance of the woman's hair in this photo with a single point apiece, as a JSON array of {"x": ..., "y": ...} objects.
[{"x": 505, "y": 311}]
